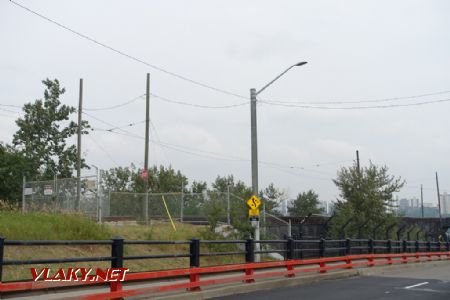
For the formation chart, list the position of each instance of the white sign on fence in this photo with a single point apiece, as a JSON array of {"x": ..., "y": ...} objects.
[
  {"x": 48, "y": 190},
  {"x": 28, "y": 191}
]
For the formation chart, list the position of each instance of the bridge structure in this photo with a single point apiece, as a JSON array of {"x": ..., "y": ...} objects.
[
  {"x": 316, "y": 226},
  {"x": 299, "y": 257}
]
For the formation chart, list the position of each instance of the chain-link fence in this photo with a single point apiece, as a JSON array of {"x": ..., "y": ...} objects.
[
  {"x": 60, "y": 196},
  {"x": 191, "y": 207}
]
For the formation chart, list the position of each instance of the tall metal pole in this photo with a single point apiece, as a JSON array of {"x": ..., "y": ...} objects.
[
  {"x": 182, "y": 203},
  {"x": 439, "y": 201},
  {"x": 357, "y": 162},
  {"x": 99, "y": 195},
  {"x": 147, "y": 129},
  {"x": 421, "y": 198},
  {"x": 254, "y": 145},
  {"x": 80, "y": 110},
  {"x": 228, "y": 205}
]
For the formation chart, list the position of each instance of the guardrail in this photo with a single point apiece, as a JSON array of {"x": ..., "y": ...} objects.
[{"x": 341, "y": 253}]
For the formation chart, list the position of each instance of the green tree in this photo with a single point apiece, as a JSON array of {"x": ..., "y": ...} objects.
[
  {"x": 366, "y": 198},
  {"x": 271, "y": 197},
  {"x": 239, "y": 193},
  {"x": 305, "y": 203},
  {"x": 12, "y": 168},
  {"x": 43, "y": 134}
]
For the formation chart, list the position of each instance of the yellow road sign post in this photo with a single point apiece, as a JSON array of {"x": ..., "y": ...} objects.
[{"x": 253, "y": 203}]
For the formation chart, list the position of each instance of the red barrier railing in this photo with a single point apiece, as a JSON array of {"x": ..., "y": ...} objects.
[{"x": 195, "y": 281}]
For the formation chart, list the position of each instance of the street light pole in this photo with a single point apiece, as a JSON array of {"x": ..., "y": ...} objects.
[{"x": 254, "y": 149}]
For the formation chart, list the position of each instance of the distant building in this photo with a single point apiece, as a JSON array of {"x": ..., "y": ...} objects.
[
  {"x": 445, "y": 203},
  {"x": 403, "y": 204},
  {"x": 414, "y": 202}
]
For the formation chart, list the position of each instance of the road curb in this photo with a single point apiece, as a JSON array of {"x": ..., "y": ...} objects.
[{"x": 233, "y": 289}]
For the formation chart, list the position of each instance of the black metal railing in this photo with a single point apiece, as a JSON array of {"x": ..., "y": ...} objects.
[{"x": 288, "y": 249}]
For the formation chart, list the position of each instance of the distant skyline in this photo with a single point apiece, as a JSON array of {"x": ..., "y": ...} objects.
[{"x": 368, "y": 53}]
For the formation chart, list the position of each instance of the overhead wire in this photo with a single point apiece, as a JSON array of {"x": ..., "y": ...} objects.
[
  {"x": 198, "y": 105},
  {"x": 129, "y": 56},
  {"x": 268, "y": 102},
  {"x": 115, "y": 106},
  {"x": 363, "y": 101},
  {"x": 104, "y": 150}
]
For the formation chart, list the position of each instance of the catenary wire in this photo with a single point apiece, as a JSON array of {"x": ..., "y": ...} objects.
[
  {"x": 268, "y": 102},
  {"x": 362, "y": 101},
  {"x": 129, "y": 56}
]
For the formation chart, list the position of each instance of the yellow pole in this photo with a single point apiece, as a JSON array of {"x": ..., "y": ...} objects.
[{"x": 168, "y": 213}]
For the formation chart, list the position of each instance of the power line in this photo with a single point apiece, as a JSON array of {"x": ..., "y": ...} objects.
[
  {"x": 120, "y": 52},
  {"x": 354, "y": 107},
  {"x": 197, "y": 105},
  {"x": 363, "y": 101},
  {"x": 159, "y": 140},
  {"x": 218, "y": 156},
  {"x": 115, "y": 106},
  {"x": 10, "y": 105},
  {"x": 103, "y": 149}
]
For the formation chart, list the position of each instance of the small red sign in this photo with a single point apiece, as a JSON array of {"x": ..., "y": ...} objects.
[{"x": 144, "y": 174}]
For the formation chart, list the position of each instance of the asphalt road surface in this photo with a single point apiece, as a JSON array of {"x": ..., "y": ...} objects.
[{"x": 428, "y": 282}]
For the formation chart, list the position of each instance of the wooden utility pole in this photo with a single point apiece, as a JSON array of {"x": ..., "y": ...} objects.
[
  {"x": 439, "y": 201},
  {"x": 421, "y": 198},
  {"x": 357, "y": 162},
  {"x": 80, "y": 110},
  {"x": 147, "y": 129}
]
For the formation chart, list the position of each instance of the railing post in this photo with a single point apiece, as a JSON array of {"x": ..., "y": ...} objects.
[
  {"x": 249, "y": 251},
  {"x": 290, "y": 248},
  {"x": 249, "y": 258},
  {"x": 194, "y": 248},
  {"x": 194, "y": 262},
  {"x": 447, "y": 245},
  {"x": 404, "y": 246},
  {"x": 322, "y": 247},
  {"x": 348, "y": 247},
  {"x": 428, "y": 246},
  {"x": 2, "y": 247},
  {"x": 371, "y": 248},
  {"x": 439, "y": 246},
  {"x": 417, "y": 246},
  {"x": 116, "y": 261}
]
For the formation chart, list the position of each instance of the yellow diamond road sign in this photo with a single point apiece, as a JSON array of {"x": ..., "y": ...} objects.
[
  {"x": 253, "y": 202},
  {"x": 253, "y": 212}
]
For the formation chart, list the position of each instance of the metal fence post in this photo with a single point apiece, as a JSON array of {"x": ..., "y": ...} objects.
[
  {"x": 404, "y": 246},
  {"x": 439, "y": 246},
  {"x": 249, "y": 251},
  {"x": 290, "y": 248},
  {"x": 322, "y": 248},
  {"x": 23, "y": 195},
  {"x": 370, "y": 244},
  {"x": 348, "y": 247},
  {"x": 447, "y": 245},
  {"x": 116, "y": 261},
  {"x": 429, "y": 246},
  {"x": 195, "y": 253},
  {"x": 389, "y": 246},
  {"x": 2, "y": 247},
  {"x": 417, "y": 246}
]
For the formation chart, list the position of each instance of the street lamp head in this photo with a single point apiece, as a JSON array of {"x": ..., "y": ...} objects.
[{"x": 300, "y": 64}]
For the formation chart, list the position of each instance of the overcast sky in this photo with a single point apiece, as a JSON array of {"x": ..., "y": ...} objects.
[{"x": 356, "y": 51}]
